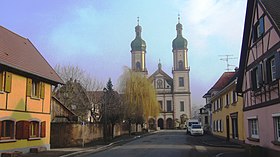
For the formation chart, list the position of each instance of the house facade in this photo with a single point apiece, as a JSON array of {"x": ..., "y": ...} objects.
[
  {"x": 227, "y": 113},
  {"x": 173, "y": 93},
  {"x": 26, "y": 81},
  {"x": 258, "y": 82}
]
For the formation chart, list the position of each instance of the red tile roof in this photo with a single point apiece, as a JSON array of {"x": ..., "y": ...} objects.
[
  {"x": 19, "y": 53},
  {"x": 223, "y": 81}
]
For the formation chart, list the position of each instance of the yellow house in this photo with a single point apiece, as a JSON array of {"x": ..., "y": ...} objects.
[
  {"x": 26, "y": 81},
  {"x": 227, "y": 109}
]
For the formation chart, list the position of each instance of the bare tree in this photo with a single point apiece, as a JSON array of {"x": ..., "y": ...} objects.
[{"x": 74, "y": 75}]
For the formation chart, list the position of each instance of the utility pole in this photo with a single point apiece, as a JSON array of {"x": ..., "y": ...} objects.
[{"x": 226, "y": 58}]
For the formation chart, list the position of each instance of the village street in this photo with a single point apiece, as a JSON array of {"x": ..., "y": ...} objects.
[{"x": 168, "y": 143}]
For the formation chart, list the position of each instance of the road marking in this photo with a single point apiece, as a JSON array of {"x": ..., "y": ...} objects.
[
  {"x": 219, "y": 155},
  {"x": 200, "y": 148}
]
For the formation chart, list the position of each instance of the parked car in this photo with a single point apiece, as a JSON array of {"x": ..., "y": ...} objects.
[
  {"x": 196, "y": 129},
  {"x": 190, "y": 123}
]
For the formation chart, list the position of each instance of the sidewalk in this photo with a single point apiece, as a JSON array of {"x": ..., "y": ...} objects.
[
  {"x": 95, "y": 146},
  {"x": 214, "y": 141}
]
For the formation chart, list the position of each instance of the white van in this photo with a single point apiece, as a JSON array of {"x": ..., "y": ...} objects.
[{"x": 190, "y": 123}]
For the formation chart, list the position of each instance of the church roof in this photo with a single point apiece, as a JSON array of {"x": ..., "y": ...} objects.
[
  {"x": 165, "y": 75},
  {"x": 179, "y": 43},
  {"x": 138, "y": 44}
]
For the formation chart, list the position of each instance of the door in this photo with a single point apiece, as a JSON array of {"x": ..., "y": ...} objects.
[{"x": 227, "y": 127}]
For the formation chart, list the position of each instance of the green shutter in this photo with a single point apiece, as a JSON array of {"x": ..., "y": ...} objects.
[
  {"x": 8, "y": 82},
  {"x": 42, "y": 93},
  {"x": 29, "y": 87}
]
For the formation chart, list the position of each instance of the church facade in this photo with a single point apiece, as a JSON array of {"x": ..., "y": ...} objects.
[{"x": 173, "y": 93}]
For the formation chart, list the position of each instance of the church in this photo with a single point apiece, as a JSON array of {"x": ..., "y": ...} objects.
[{"x": 173, "y": 93}]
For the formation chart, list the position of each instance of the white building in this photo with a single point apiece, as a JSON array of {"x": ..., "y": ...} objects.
[{"x": 173, "y": 93}]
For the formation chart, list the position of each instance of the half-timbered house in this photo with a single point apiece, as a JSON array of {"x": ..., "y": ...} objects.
[{"x": 259, "y": 75}]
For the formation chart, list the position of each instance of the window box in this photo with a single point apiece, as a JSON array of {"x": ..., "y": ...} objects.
[{"x": 253, "y": 139}]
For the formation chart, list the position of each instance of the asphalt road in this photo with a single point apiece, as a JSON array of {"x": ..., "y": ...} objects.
[{"x": 173, "y": 143}]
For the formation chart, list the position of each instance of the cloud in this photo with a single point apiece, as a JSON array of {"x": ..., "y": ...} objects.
[{"x": 219, "y": 18}]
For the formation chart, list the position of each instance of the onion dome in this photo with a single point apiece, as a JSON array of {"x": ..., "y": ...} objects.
[
  {"x": 138, "y": 44},
  {"x": 179, "y": 42}
]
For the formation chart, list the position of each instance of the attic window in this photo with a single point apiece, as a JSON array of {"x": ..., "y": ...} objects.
[{"x": 258, "y": 29}]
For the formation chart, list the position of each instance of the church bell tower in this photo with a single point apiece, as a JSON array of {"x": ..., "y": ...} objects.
[
  {"x": 180, "y": 71},
  {"x": 138, "y": 52}
]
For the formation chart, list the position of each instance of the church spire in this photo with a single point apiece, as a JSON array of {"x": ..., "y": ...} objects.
[
  {"x": 138, "y": 44},
  {"x": 159, "y": 65}
]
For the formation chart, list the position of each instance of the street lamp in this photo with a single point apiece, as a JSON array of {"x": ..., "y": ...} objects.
[{"x": 105, "y": 115}]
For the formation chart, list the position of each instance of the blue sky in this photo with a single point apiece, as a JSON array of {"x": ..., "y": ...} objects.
[{"x": 96, "y": 34}]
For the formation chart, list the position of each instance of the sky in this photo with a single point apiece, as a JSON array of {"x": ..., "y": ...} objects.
[{"x": 96, "y": 34}]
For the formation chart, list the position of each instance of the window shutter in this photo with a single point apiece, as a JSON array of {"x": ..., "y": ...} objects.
[
  {"x": 19, "y": 129},
  {"x": 0, "y": 128},
  {"x": 8, "y": 82},
  {"x": 277, "y": 64},
  {"x": 260, "y": 74},
  {"x": 42, "y": 93},
  {"x": 267, "y": 75},
  {"x": 25, "y": 134},
  {"x": 43, "y": 129},
  {"x": 253, "y": 79},
  {"x": 261, "y": 23},
  {"x": 29, "y": 87}
]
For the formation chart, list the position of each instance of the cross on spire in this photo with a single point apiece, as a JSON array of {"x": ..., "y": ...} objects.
[
  {"x": 178, "y": 18},
  {"x": 138, "y": 20}
]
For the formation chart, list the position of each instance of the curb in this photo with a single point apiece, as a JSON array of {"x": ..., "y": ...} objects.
[{"x": 226, "y": 146}]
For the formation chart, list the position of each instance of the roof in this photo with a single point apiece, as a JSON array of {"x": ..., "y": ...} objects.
[
  {"x": 272, "y": 9},
  {"x": 19, "y": 53},
  {"x": 166, "y": 76},
  {"x": 223, "y": 81}
]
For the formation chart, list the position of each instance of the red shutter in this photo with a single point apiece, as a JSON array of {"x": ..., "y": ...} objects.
[
  {"x": 19, "y": 129},
  {"x": 25, "y": 131},
  {"x": 22, "y": 130},
  {"x": 43, "y": 129},
  {"x": 0, "y": 128}
]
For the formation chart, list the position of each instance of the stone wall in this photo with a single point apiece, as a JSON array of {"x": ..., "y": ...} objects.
[{"x": 72, "y": 134}]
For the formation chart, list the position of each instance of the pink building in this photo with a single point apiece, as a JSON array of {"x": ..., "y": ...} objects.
[{"x": 258, "y": 80}]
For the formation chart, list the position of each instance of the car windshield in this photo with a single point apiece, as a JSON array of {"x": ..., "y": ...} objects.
[
  {"x": 191, "y": 123},
  {"x": 196, "y": 126}
]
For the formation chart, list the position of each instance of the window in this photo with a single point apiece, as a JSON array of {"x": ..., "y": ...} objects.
[
  {"x": 138, "y": 66},
  {"x": 271, "y": 69},
  {"x": 257, "y": 77},
  {"x": 5, "y": 81},
  {"x": 258, "y": 29},
  {"x": 169, "y": 107},
  {"x": 234, "y": 96},
  {"x": 7, "y": 130},
  {"x": 206, "y": 120},
  {"x": 182, "y": 106},
  {"x": 253, "y": 128},
  {"x": 221, "y": 102},
  {"x": 1, "y": 81},
  {"x": 227, "y": 99},
  {"x": 181, "y": 81},
  {"x": 34, "y": 129},
  {"x": 35, "y": 88},
  {"x": 214, "y": 125},
  {"x": 160, "y": 105},
  {"x": 181, "y": 66},
  {"x": 277, "y": 127},
  {"x": 159, "y": 83}
]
